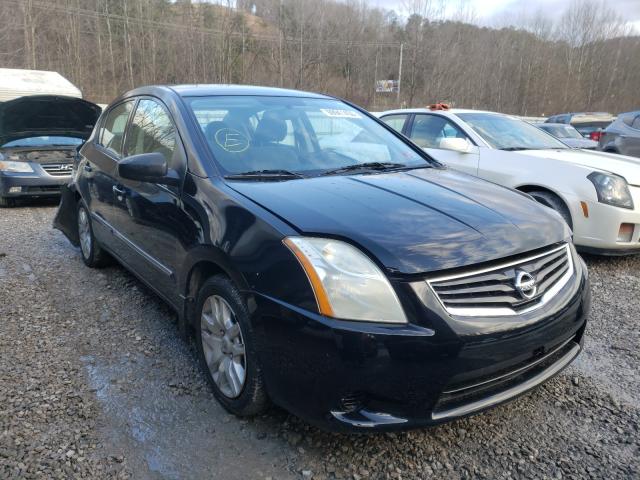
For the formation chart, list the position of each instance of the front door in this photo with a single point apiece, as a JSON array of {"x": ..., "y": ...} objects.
[
  {"x": 428, "y": 132},
  {"x": 151, "y": 217}
]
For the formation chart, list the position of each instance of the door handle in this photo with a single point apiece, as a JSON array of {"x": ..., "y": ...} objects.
[{"x": 120, "y": 192}]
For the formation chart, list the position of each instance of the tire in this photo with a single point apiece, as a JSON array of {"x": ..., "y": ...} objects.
[
  {"x": 219, "y": 357},
  {"x": 551, "y": 200},
  {"x": 7, "y": 202},
  {"x": 93, "y": 255}
]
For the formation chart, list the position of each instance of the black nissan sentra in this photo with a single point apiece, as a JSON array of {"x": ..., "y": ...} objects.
[{"x": 322, "y": 261}]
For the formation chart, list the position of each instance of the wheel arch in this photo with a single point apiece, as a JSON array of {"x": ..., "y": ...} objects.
[
  {"x": 528, "y": 188},
  {"x": 204, "y": 264}
]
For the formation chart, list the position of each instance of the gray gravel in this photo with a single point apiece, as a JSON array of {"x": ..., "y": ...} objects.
[{"x": 95, "y": 383}]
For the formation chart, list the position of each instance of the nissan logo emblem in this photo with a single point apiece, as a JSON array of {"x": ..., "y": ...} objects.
[{"x": 525, "y": 284}]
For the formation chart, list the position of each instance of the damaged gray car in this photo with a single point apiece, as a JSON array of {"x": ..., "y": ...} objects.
[{"x": 38, "y": 139}]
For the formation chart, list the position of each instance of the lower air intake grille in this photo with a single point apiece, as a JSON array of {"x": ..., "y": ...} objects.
[{"x": 508, "y": 289}]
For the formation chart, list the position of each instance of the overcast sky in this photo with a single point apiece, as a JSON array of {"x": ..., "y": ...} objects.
[{"x": 491, "y": 12}]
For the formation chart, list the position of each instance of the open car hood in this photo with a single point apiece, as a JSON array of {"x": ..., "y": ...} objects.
[{"x": 47, "y": 115}]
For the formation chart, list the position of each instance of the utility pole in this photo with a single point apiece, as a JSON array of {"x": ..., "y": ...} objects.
[
  {"x": 400, "y": 73},
  {"x": 375, "y": 78}
]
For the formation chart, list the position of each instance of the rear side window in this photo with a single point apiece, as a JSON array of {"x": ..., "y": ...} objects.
[
  {"x": 395, "y": 121},
  {"x": 429, "y": 130},
  {"x": 112, "y": 130},
  {"x": 151, "y": 131},
  {"x": 636, "y": 123}
]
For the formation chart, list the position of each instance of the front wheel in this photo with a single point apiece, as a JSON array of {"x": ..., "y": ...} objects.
[
  {"x": 92, "y": 254},
  {"x": 551, "y": 200},
  {"x": 226, "y": 348}
]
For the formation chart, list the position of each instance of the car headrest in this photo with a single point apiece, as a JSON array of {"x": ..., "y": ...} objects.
[{"x": 270, "y": 129}]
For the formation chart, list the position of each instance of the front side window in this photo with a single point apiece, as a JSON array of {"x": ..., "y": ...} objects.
[
  {"x": 395, "y": 121},
  {"x": 636, "y": 123},
  {"x": 302, "y": 135},
  {"x": 151, "y": 131},
  {"x": 429, "y": 130},
  {"x": 112, "y": 130},
  {"x": 509, "y": 133}
]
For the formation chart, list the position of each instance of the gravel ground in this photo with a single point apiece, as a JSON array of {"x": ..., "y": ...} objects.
[{"x": 95, "y": 383}]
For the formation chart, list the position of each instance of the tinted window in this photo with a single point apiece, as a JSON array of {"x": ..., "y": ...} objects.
[
  {"x": 112, "y": 131},
  {"x": 429, "y": 130},
  {"x": 587, "y": 128},
  {"x": 151, "y": 131},
  {"x": 395, "y": 121},
  {"x": 251, "y": 133},
  {"x": 509, "y": 133},
  {"x": 636, "y": 123}
]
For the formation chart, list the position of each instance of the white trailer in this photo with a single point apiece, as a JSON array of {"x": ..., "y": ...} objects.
[{"x": 16, "y": 83}]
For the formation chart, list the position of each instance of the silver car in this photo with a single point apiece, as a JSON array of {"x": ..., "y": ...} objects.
[
  {"x": 568, "y": 135},
  {"x": 623, "y": 135}
]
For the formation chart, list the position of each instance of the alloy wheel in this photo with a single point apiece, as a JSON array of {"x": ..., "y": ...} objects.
[
  {"x": 223, "y": 346},
  {"x": 84, "y": 232}
]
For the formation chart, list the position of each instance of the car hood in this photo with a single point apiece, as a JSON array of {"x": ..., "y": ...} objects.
[
  {"x": 628, "y": 167},
  {"x": 415, "y": 221},
  {"x": 46, "y": 115}
]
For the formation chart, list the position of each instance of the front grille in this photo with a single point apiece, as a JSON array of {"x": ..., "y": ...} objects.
[
  {"x": 506, "y": 289},
  {"x": 58, "y": 169}
]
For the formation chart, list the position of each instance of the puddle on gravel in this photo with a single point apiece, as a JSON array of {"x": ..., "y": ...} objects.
[{"x": 163, "y": 427}]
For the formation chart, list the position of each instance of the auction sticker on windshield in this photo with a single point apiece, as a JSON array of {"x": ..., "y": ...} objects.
[{"x": 336, "y": 113}]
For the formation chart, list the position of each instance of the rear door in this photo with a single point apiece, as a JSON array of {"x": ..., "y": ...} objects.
[
  {"x": 428, "y": 130},
  {"x": 98, "y": 166}
]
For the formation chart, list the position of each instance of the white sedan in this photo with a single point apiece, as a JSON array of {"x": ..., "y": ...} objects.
[{"x": 598, "y": 194}]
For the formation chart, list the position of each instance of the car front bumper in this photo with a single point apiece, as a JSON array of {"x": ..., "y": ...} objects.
[
  {"x": 598, "y": 233},
  {"x": 36, "y": 184},
  {"x": 361, "y": 376}
]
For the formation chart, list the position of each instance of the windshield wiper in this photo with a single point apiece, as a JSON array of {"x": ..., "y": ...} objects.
[
  {"x": 365, "y": 166},
  {"x": 516, "y": 149},
  {"x": 265, "y": 175}
]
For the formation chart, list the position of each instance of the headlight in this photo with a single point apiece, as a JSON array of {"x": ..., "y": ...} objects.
[
  {"x": 346, "y": 283},
  {"x": 16, "y": 167},
  {"x": 612, "y": 189}
]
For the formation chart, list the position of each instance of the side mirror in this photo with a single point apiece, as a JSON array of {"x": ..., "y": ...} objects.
[
  {"x": 461, "y": 145},
  {"x": 147, "y": 167}
]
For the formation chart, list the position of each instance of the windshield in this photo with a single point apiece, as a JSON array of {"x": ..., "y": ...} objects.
[
  {"x": 292, "y": 134},
  {"x": 44, "y": 141},
  {"x": 561, "y": 131},
  {"x": 509, "y": 133}
]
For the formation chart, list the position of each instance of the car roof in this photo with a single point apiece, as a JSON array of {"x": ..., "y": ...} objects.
[
  {"x": 451, "y": 111},
  {"x": 195, "y": 90}
]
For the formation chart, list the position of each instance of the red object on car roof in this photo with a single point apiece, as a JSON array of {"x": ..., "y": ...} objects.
[{"x": 439, "y": 106}]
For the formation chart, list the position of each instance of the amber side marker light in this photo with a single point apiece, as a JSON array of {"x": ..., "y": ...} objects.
[
  {"x": 625, "y": 234},
  {"x": 585, "y": 209},
  {"x": 318, "y": 289}
]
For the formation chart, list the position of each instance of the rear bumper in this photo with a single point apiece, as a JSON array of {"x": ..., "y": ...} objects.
[
  {"x": 355, "y": 376},
  {"x": 37, "y": 184}
]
